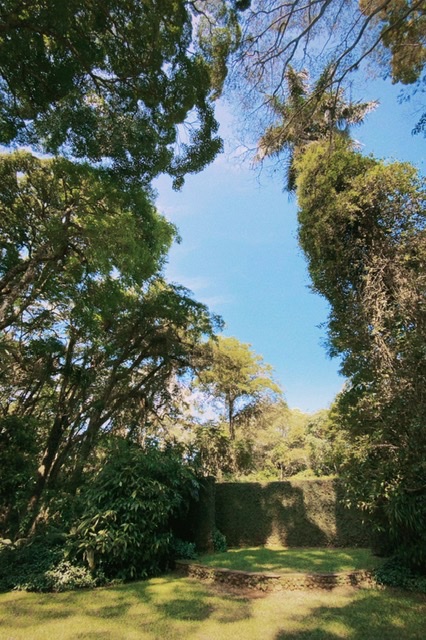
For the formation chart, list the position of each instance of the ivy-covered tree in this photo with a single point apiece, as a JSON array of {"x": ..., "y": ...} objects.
[{"x": 363, "y": 230}]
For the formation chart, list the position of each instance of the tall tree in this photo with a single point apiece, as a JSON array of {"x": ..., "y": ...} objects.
[
  {"x": 91, "y": 330},
  {"x": 307, "y": 115},
  {"x": 363, "y": 230},
  {"x": 91, "y": 333},
  {"x": 235, "y": 375},
  {"x": 76, "y": 374}
]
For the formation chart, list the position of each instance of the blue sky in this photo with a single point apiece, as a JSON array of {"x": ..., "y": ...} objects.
[{"x": 239, "y": 252}]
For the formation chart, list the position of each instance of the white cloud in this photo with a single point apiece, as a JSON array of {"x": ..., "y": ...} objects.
[
  {"x": 203, "y": 288},
  {"x": 215, "y": 302}
]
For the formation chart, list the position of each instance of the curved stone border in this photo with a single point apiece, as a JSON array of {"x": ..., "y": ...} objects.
[{"x": 274, "y": 581}]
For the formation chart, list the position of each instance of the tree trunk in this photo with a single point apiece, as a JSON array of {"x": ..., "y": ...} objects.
[
  {"x": 231, "y": 419},
  {"x": 60, "y": 424},
  {"x": 52, "y": 447},
  {"x": 86, "y": 449}
]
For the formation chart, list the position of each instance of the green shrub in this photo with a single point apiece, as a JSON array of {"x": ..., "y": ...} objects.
[
  {"x": 125, "y": 530},
  {"x": 396, "y": 574},
  {"x": 219, "y": 541},
  {"x": 24, "y": 568},
  {"x": 406, "y": 514},
  {"x": 18, "y": 463},
  {"x": 400, "y": 532},
  {"x": 183, "y": 550},
  {"x": 39, "y": 565},
  {"x": 66, "y": 576}
]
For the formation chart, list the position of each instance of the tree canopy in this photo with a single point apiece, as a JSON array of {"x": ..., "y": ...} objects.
[
  {"x": 61, "y": 220},
  {"x": 112, "y": 83},
  {"x": 363, "y": 230},
  {"x": 92, "y": 332},
  {"x": 336, "y": 33},
  {"x": 233, "y": 373},
  {"x": 385, "y": 38}
]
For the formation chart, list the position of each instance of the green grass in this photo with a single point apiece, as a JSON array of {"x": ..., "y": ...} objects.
[
  {"x": 174, "y": 608},
  {"x": 289, "y": 560}
]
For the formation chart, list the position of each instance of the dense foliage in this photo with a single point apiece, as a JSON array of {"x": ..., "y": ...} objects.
[
  {"x": 40, "y": 565},
  {"x": 95, "y": 344},
  {"x": 272, "y": 442},
  {"x": 66, "y": 226},
  {"x": 122, "y": 524},
  {"x": 395, "y": 573},
  {"x": 111, "y": 83},
  {"x": 363, "y": 229},
  {"x": 125, "y": 529},
  {"x": 93, "y": 335},
  {"x": 233, "y": 374}
]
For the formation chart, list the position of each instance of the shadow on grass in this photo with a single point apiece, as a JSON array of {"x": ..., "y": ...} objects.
[
  {"x": 371, "y": 615},
  {"x": 168, "y": 607},
  {"x": 293, "y": 560},
  {"x": 180, "y": 609},
  {"x": 150, "y": 608},
  {"x": 26, "y": 608},
  {"x": 186, "y": 600}
]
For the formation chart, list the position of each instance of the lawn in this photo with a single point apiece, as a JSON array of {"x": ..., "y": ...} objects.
[
  {"x": 289, "y": 560},
  {"x": 181, "y": 609}
]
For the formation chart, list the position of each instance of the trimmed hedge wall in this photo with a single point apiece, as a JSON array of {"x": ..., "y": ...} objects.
[{"x": 296, "y": 513}]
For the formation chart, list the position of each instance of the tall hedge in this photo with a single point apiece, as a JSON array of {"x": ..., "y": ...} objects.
[{"x": 296, "y": 513}]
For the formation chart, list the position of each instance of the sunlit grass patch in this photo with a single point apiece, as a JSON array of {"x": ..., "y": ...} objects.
[
  {"x": 288, "y": 560},
  {"x": 171, "y": 608}
]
